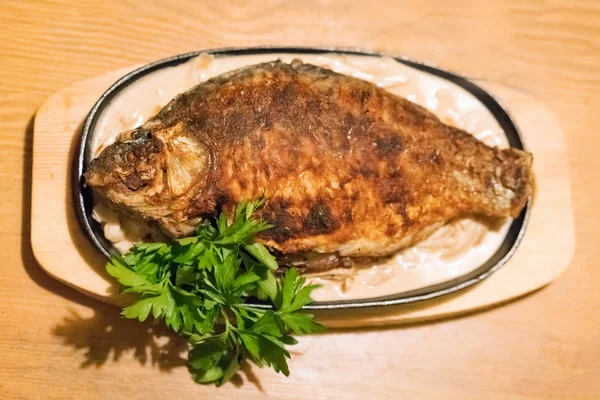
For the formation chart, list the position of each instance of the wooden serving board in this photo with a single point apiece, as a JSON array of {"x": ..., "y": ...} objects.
[{"x": 64, "y": 252}]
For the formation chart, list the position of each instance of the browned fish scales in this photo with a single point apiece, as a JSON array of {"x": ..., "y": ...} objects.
[{"x": 345, "y": 167}]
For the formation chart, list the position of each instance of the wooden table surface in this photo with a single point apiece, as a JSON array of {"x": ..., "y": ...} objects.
[{"x": 55, "y": 343}]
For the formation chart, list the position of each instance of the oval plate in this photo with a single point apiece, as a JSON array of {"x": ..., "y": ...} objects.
[{"x": 84, "y": 201}]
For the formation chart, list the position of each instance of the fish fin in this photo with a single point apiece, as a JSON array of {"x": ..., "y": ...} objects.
[{"x": 186, "y": 163}]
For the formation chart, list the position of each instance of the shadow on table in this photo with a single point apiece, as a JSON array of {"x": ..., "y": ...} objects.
[{"x": 106, "y": 337}]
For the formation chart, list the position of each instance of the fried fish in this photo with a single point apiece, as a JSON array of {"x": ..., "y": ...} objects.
[{"x": 344, "y": 166}]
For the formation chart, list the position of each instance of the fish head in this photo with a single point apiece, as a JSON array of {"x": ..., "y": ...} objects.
[{"x": 150, "y": 168}]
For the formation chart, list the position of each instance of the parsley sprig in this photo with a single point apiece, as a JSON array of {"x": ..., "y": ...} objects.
[{"x": 194, "y": 282}]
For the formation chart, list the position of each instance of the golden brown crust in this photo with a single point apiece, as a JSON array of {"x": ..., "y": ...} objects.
[{"x": 343, "y": 165}]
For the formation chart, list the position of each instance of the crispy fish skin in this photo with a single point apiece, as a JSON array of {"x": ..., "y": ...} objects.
[{"x": 343, "y": 166}]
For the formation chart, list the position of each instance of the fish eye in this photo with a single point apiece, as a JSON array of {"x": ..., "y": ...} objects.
[{"x": 141, "y": 134}]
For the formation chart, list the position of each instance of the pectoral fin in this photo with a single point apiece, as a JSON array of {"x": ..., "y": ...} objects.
[{"x": 186, "y": 159}]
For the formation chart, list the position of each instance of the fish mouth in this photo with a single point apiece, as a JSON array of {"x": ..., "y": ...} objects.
[{"x": 130, "y": 164}]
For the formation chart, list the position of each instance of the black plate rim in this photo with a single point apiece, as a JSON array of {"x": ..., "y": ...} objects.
[{"x": 82, "y": 198}]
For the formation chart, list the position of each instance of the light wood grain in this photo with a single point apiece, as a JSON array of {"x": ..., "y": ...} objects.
[
  {"x": 58, "y": 344},
  {"x": 542, "y": 256}
]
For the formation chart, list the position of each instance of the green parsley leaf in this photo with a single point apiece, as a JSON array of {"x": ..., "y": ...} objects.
[
  {"x": 295, "y": 294},
  {"x": 267, "y": 288},
  {"x": 265, "y": 351},
  {"x": 189, "y": 283},
  {"x": 186, "y": 275},
  {"x": 302, "y": 323},
  {"x": 231, "y": 369},
  {"x": 211, "y": 375},
  {"x": 261, "y": 253},
  {"x": 186, "y": 254},
  {"x": 130, "y": 280},
  {"x": 269, "y": 323},
  {"x": 245, "y": 280},
  {"x": 206, "y": 355}
]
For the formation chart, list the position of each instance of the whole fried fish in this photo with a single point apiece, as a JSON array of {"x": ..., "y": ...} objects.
[{"x": 344, "y": 166}]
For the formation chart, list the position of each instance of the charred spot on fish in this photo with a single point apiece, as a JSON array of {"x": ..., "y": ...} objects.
[
  {"x": 223, "y": 199},
  {"x": 320, "y": 220},
  {"x": 387, "y": 146},
  {"x": 275, "y": 213},
  {"x": 198, "y": 122},
  {"x": 394, "y": 194},
  {"x": 278, "y": 233},
  {"x": 366, "y": 171}
]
